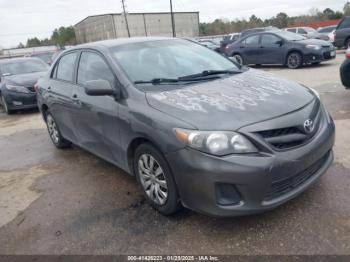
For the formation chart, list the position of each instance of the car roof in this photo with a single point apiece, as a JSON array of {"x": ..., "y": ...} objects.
[
  {"x": 119, "y": 41},
  {"x": 18, "y": 59}
]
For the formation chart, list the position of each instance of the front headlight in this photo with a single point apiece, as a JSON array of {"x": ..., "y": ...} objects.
[
  {"x": 21, "y": 89},
  {"x": 316, "y": 47},
  {"x": 218, "y": 143}
]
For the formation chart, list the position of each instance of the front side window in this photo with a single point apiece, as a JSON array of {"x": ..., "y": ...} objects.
[
  {"x": 66, "y": 66},
  {"x": 93, "y": 67},
  {"x": 26, "y": 66},
  {"x": 176, "y": 58},
  {"x": 293, "y": 30},
  {"x": 252, "y": 40},
  {"x": 302, "y": 31},
  {"x": 345, "y": 23},
  {"x": 270, "y": 40}
]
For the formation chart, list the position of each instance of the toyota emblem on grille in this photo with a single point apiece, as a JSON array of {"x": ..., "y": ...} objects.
[{"x": 309, "y": 126}]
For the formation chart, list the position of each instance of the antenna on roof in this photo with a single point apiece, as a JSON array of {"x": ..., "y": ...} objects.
[{"x": 125, "y": 17}]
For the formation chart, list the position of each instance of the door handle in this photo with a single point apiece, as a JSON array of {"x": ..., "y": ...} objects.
[
  {"x": 49, "y": 89},
  {"x": 75, "y": 97}
]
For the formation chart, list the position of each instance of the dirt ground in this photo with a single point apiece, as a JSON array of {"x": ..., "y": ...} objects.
[{"x": 71, "y": 202}]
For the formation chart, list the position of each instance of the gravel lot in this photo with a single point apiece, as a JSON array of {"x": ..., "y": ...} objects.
[{"x": 71, "y": 202}]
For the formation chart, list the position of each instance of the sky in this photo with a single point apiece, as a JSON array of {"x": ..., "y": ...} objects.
[{"x": 23, "y": 19}]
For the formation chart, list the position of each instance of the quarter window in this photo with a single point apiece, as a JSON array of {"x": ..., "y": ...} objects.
[
  {"x": 66, "y": 66},
  {"x": 93, "y": 67}
]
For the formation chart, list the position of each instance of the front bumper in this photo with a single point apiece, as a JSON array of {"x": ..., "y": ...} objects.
[
  {"x": 319, "y": 56},
  {"x": 198, "y": 175},
  {"x": 17, "y": 100}
]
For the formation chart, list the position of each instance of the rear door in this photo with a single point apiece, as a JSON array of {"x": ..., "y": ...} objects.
[
  {"x": 250, "y": 50},
  {"x": 60, "y": 92},
  {"x": 96, "y": 117},
  {"x": 272, "y": 49}
]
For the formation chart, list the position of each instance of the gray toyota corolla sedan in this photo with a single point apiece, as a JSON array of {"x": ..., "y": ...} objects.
[{"x": 195, "y": 128}]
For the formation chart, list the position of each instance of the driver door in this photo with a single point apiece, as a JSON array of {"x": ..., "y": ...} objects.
[{"x": 96, "y": 117}]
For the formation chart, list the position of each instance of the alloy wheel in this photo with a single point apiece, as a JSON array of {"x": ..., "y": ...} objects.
[
  {"x": 239, "y": 59},
  {"x": 4, "y": 104},
  {"x": 153, "y": 179},
  {"x": 52, "y": 128},
  {"x": 293, "y": 60}
]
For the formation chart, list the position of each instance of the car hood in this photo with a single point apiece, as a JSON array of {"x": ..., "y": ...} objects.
[
  {"x": 232, "y": 102},
  {"x": 24, "y": 79},
  {"x": 314, "y": 42}
]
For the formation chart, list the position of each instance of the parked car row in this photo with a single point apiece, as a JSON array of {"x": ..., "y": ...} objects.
[{"x": 280, "y": 47}]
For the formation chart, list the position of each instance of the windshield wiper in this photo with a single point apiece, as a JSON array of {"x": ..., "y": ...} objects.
[
  {"x": 156, "y": 81},
  {"x": 209, "y": 73}
]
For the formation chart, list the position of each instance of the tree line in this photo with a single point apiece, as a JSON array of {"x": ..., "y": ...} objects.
[
  {"x": 61, "y": 36},
  {"x": 281, "y": 20}
]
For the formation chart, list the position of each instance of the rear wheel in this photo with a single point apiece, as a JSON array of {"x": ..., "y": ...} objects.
[
  {"x": 238, "y": 58},
  {"x": 155, "y": 179},
  {"x": 294, "y": 60},
  {"x": 55, "y": 134},
  {"x": 5, "y": 105}
]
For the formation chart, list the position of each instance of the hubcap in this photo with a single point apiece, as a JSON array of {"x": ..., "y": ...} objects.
[
  {"x": 239, "y": 59},
  {"x": 293, "y": 61},
  {"x": 153, "y": 179},
  {"x": 53, "y": 131}
]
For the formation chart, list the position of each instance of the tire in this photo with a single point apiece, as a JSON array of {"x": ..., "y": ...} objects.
[
  {"x": 54, "y": 133},
  {"x": 294, "y": 60},
  {"x": 154, "y": 177},
  {"x": 238, "y": 58},
  {"x": 5, "y": 106},
  {"x": 347, "y": 43}
]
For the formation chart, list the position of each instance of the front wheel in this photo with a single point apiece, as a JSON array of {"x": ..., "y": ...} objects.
[
  {"x": 5, "y": 106},
  {"x": 294, "y": 60},
  {"x": 54, "y": 132},
  {"x": 155, "y": 179}
]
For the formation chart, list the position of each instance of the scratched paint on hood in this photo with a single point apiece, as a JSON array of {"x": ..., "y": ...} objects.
[{"x": 238, "y": 91}]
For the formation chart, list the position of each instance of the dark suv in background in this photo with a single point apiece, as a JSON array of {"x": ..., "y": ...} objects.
[{"x": 342, "y": 33}]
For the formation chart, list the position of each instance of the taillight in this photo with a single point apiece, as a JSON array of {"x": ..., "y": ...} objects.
[
  {"x": 347, "y": 53},
  {"x": 36, "y": 88}
]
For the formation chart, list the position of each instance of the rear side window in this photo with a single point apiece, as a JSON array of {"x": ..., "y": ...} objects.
[
  {"x": 345, "y": 23},
  {"x": 65, "y": 67},
  {"x": 293, "y": 30},
  {"x": 93, "y": 67},
  {"x": 252, "y": 40}
]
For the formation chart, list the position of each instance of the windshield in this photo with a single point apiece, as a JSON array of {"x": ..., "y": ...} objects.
[
  {"x": 166, "y": 59},
  {"x": 22, "y": 67},
  {"x": 309, "y": 29},
  {"x": 46, "y": 57},
  {"x": 290, "y": 36}
]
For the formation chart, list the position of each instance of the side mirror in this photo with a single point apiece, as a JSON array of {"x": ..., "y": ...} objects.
[
  {"x": 279, "y": 42},
  {"x": 99, "y": 88}
]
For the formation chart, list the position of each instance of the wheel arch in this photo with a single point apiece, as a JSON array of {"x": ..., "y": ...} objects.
[
  {"x": 294, "y": 51},
  {"x": 44, "y": 108},
  {"x": 133, "y": 145}
]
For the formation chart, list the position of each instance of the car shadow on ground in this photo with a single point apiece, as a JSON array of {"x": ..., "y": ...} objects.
[{"x": 282, "y": 67}]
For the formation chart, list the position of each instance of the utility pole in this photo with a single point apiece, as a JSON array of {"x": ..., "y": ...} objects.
[
  {"x": 126, "y": 19},
  {"x": 172, "y": 18}
]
